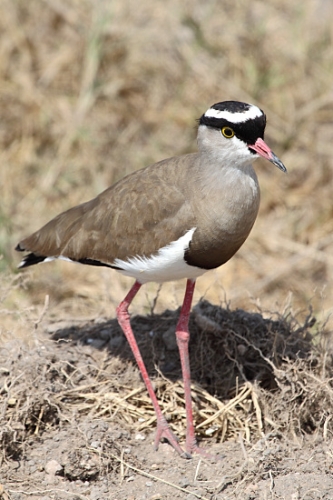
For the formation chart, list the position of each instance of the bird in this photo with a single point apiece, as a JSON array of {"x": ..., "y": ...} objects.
[{"x": 175, "y": 219}]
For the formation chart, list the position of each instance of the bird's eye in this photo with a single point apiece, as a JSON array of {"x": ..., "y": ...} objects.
[{"x": 227, "y": 132}]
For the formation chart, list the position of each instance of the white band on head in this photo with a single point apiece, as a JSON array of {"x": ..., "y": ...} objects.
[{"x": 249, "y": 114}]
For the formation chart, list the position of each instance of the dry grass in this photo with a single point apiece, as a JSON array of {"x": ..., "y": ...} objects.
[
  {"x": 93, "y": 90},
  {"x": 251, "y": 378}
]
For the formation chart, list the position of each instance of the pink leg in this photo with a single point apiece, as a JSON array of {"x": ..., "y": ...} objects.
[
  {"x": 163, "y": 429},
  {"x": 182, "y": 335}
]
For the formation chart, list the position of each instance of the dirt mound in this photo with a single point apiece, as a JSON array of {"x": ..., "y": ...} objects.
[{"x": 74, "y": 405}]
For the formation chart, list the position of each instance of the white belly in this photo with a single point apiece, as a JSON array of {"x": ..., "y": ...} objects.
[{"x": 167, "y": 265}]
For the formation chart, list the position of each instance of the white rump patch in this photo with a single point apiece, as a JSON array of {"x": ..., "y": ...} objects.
[
  {"x": 250, "y": 114},
  {"x": 61, "y": 257},
  {"x": 167, "y": 265}
]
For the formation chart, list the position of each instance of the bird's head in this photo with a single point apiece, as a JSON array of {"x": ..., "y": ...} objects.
[{"x": 234, "y": 131}]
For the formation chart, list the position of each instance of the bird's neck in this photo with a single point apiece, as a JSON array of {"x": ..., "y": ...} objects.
[{"x": 219, "y": 172}]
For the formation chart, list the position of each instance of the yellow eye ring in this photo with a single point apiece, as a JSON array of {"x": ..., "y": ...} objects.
[{"x": 227, "y": 132}]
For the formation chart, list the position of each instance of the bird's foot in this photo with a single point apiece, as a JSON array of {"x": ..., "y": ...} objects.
[
  {"x": 200, "y": 451},
  {"x": 193, "y": 447},
  {"x": 164, "y": 432}
]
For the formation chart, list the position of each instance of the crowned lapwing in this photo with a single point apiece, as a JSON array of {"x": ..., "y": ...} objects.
[{"x": 175, "y": 219}]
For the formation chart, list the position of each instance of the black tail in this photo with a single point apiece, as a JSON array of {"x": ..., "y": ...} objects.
[{"x": 30, "y": 259}]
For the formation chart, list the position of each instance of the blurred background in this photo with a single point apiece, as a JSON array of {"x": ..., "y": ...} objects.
[{"x": 91, "y": 90}]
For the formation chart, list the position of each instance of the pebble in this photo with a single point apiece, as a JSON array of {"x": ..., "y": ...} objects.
[
  {"x": 105, "y": 334},
  {"x": 104, "y": 426},
  {"x": 116, "y": 341},
  {"x": 184, "y": 482},
  {"x": 169, "y": 339},
  {"x": 52, "y": 467},
  {"x": 96, "y": 343},
  {"x": 241, "y": 348},
  {"x": 95, "y": 444}
]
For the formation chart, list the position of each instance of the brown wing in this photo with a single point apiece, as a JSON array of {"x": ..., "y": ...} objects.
[{"x": 136, "y": 216}]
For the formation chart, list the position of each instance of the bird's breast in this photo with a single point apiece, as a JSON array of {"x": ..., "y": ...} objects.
[{"x": 228, "y": 213}]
